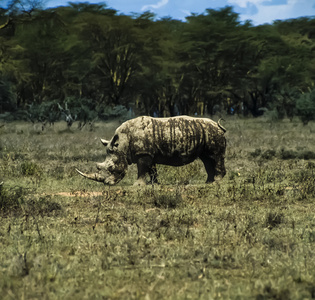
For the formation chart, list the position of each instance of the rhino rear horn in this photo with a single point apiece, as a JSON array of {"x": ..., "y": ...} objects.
[
  {"x": 93, "y": 176},
  {"x": 105, "y": 142}
]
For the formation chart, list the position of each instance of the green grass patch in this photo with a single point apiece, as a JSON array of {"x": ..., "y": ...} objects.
[{"x": 248, "y": 236}]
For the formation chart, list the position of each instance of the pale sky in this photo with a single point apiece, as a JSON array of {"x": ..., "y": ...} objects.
[{"x": 259, "y": 11}]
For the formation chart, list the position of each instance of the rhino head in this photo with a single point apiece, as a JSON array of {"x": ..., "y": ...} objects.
[{"x": 114, "y": 168}]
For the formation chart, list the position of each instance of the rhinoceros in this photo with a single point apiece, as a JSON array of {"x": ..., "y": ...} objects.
[{"x": 175, "y": 141}]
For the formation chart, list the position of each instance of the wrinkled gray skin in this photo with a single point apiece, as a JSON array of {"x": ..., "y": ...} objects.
[{"x": 175, "y": 141}]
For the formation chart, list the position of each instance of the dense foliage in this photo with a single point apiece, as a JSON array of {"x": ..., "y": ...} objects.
[{"x": 103, "y": 59}]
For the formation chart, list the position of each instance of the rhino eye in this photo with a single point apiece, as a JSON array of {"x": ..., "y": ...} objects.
[{"x": 110, "y": 151}]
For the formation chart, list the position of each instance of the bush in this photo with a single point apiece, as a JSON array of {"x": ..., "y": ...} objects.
[
  {"x": 306, "y": 155},
  {"x": 7, "y": 97},
  {"x": 287, "y": 154},
  {"x": 109, "y": 112},
  {"x": 306, "y": 107},
  {"x": 268, "y": 154},
  {"x": 273, "y": 219},
  {"x": 29, "y": 168},
  {"x": 42, "y": 206},
  {"x": 11, "y": 200},
  {"x": 256, "y": 153},
  {"x": 15, "y": 200},
  {"x": 167, "y": 200},
  {"x": 81, "y": 109},
  {"x": 44, "y": 112}
]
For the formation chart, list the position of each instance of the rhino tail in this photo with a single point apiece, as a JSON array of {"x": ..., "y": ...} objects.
[{"x": 224, "y": 130}]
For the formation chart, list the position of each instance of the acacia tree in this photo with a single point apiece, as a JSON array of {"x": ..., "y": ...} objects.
[
  {"x": 115, "y": 53},
  {"x": 283, "y": 66},
  {"x": 42, "y": 38},
  {"x": 13, "y": 67},
  {"x": 212, "y": 67},
  {"x": 160, "y": 66},
  {"x": 79, "y": 76},
  {"x": 97, "y": 58}
]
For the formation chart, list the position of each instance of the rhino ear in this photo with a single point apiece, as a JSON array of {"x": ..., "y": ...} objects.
[
  {"x": 104, "y": 142},
  {"x": 114, "y": 142}
]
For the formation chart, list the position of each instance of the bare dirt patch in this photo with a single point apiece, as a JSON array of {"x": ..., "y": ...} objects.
[{"x": 79, "y": 193}]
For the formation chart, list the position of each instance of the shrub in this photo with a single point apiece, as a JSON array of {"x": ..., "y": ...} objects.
[
  {"x": 29, "y": 168},
  {"x": 45, "y": 112},
  {"x": 42, "y": 206},
  {"x": 7, "y": 97},
  {"x": 306, "y": 107},
  {"x": 11, "y": 200},
  {"x": 274, "y": 219},
  {"x": 255, "y": 153},
  {"x": 306, "y": 155},
  {"x": 167, "y": 199},
  {"x": 80, "y": 109},
  {"x": 268, "y": 154},
  {"x": 287, "y": 154},
  {"x": 14, "y": 200},
  {"x": 109, "y": 112}
]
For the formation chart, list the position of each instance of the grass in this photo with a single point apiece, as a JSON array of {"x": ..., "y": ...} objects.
[{"x": 248, "y": 236}]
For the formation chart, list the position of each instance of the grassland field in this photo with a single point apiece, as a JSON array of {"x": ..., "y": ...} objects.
[{"x": 250, "y": 235}]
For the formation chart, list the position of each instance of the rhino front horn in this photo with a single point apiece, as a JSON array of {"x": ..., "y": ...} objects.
[{"x": 94, "y": 176}]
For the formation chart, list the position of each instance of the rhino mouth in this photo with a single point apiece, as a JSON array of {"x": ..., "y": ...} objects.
[{"x": 110, "y": 180}]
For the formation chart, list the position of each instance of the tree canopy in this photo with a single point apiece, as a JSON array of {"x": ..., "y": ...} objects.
[{"x": 93, "y": 54}]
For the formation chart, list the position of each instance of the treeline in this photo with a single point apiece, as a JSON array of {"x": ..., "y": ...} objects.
[{"x": 90, "y": 59}]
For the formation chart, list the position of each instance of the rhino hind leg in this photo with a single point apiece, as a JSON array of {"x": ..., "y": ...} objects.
[
  {"x": 145, "y": 167},
  {"x": 210, "y": 165},
  {"x": 220, "y": 167}
]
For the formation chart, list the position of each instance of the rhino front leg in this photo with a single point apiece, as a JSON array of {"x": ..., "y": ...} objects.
[
  {"x": 209, "y": 164},
  {"x": 145, "y": 166}
]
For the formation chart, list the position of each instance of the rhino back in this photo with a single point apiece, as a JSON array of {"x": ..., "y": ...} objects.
[{"x": 177, "y": 137}]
